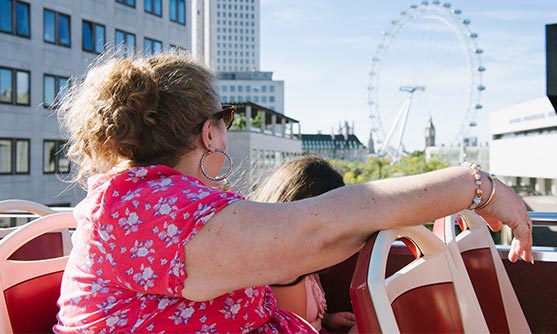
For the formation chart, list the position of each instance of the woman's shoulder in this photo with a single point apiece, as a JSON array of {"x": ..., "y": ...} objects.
[{"x": 159, "y": 182}]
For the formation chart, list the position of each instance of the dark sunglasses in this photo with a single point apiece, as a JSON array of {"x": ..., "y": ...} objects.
[{"x": 226, "y": 114}]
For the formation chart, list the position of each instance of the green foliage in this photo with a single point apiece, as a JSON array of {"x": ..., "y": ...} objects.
[
  {"x": 239, "y": 123},
  {"x": 376, "y": 168},
  {"x": 256, "y": 121}
]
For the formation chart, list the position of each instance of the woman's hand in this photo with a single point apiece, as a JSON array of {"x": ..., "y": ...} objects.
[
  {"x": 509, "y": 209},
  {"x": 339, "y": 321}
]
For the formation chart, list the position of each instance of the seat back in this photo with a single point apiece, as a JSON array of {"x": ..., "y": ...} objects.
[
  {"x": 45, "y": 246},
  {"x": 484, "y": 266},
  {"x": 30, "y": 289},
  {"x": 426, "y": 296}
]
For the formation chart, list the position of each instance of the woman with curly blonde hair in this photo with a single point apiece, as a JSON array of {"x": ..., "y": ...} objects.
[{"x": 160, "y": 248}]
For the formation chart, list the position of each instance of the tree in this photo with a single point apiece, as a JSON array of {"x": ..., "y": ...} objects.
[{"x": 382, "y": 167}]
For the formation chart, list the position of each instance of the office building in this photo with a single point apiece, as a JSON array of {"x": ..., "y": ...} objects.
[
  {"x": 43, "y": 44},
  {"x": 227, "y": 38}
]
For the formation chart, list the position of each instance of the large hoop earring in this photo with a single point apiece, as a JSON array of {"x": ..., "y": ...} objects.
[{"x": 216, "y": 178}]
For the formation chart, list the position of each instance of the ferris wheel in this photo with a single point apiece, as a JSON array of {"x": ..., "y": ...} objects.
[{"x": 427, "y": 68}]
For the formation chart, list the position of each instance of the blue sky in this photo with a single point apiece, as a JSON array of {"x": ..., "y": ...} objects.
[{"x": 322, "y": 49}]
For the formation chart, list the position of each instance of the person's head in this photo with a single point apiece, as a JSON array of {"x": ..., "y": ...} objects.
[
  {"x": 138, "y": 112},
  {"x": 304, "y": 177}
]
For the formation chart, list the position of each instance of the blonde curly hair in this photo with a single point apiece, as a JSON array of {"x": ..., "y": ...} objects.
[{"x": 136, "y": 112}]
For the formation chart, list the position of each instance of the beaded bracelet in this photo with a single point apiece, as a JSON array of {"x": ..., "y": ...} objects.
[
  {"x": 493, "y": 180},
  {"x": 478, "y": 180}
]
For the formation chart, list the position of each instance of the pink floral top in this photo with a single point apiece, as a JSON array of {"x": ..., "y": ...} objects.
[{"x": 126, "y": 271}]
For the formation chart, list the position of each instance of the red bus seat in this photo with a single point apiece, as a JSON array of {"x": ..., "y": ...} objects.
[
  {"x": 30, "y": 289},
  {"x": 429, "y": 295},
  {"x": 484, "y": 266}
]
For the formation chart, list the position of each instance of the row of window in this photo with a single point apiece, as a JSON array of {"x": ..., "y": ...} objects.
[
  {"x": 235, "y": 68},
  {"x": 15, "y": 156},
  {"x": 15, "y": 18},
  {"x": 248, "y": 88},
  {"x": 236, "y": 15},
  {"x": 224, "y": 61},
  {"x": 236, "y": 54},
  {"x": 246, "y": 1},
  {"x": 248, "y": 98},
  {"x": 236, "y": 23},
  {"x": 247, "y": 31},
  {"x": 177, "y": 8},
  {"x": 236, "y": 45},
  {"x": 221, "y": 37},
  {"x": 242, "y": 7}
]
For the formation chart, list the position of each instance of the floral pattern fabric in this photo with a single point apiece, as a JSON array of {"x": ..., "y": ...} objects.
[{"x": 126, "y": 271}]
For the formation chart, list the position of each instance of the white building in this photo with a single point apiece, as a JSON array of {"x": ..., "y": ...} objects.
[
  {"x": 42, "y": 44},
  {"x": 227, "y": 38},
  {"x": 260, "y": 140},
  {"x": 523, "y": 145}
]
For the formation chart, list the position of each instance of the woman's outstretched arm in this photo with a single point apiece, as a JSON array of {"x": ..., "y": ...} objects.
[{"x": 250, "y": 244}]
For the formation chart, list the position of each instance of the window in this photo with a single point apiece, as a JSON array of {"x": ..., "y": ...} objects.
[
  {"x": 14, "y": 156},
  {"x": 272, "y": 89},
  {"x": 15, "y": 18},
  {"x": 178, "y": 11},
  {"x": 153, "y": 6},
  {"x": 56, "y": 28},
  {"x": 271, "y": 99},
  {"x": 54, "y": 157},
  {"x": 93, "y": 37},
  {"x": 15, "y": 86},
  {"x": 54, "y": 88},
  {"x": 151, "y": 46},
  {"x": 130, "y": 3},
  {"x": 125, "y": 43}
]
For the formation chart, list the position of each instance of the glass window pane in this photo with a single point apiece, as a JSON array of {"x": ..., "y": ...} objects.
[
  {"x": 158, "y": 7},
  {"x": 173, "y": 6},
  {"x": 49, "y": 156},
  {"x": 99, "y": 38},
  {"x": 5, "y": 86},
  {"x": 23, "y": 21},
  {"x": 22, "y": 156},
  {"x": 87, "y": 35},
  {"x": 119, "y": 38},
  {"x": 23, "y": 95},
  {"x": 5, "y": 156},
  {"x": 182, "y": 11},
  {"x": 62, "y": 88},
  {"x": 148, "y": 6},
  {"x": 130, "y": 44},
  {"x": 6, "y": 21},
  {"x": 64, "y": 29},
  {"x": 63, "y": 162},
  {"x": 49, "y": 26},
  {"x": 147, "y": 46},
  {"x": 157, "y": 47},
  {"x": 49, "y": 90}
]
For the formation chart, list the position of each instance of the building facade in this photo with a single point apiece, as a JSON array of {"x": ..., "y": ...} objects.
[
  {"x": 227, "y": 38},
  {"x": 344, "y": 145},
  {"x": 523, "y": 143},
  {"x": 43, "y": 44},
  {"x": 260, "y": 140}
]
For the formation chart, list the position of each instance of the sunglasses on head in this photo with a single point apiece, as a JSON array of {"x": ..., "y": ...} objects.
[{"x": 226, "y": 114}]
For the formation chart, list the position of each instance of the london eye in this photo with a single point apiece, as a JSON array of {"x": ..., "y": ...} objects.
[{"x": 427, "y": 66}]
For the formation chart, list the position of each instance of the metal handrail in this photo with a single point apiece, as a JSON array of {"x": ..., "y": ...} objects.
[{"x": 543, "y": 218}]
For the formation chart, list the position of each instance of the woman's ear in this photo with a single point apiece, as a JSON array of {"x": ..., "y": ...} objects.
[{"x": 206, "y": 135}]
